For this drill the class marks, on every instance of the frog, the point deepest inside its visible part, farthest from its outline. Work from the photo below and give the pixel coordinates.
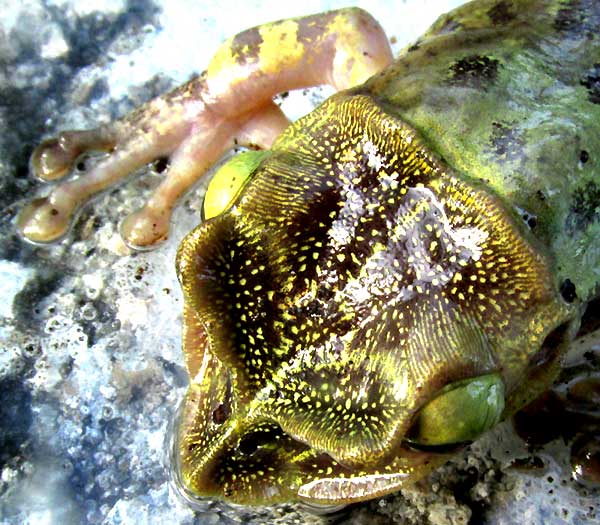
(381, 282)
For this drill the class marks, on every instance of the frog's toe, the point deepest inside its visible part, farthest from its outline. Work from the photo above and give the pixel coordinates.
(54, 158)
(46, 219)
(50, 160)
(145, 228)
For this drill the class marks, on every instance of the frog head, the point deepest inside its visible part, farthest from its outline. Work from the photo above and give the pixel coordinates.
(354, 310)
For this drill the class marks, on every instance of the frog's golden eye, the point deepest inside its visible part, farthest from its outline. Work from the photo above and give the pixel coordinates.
(461, 412)
(229, 181)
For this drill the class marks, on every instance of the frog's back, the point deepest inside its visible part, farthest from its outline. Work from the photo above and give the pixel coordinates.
(508, 93)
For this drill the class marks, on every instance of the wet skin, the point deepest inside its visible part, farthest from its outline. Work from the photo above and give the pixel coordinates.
(396, 271)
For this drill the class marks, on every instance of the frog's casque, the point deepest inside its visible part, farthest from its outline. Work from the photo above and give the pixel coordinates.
(367, 295)
(331, 325)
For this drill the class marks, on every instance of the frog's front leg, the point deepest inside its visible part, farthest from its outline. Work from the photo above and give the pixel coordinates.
(231, 103)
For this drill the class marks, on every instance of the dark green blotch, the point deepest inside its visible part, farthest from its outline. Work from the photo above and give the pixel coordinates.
(501, 13)
(585, 207)
(578, 19)
(591, 81)
(506, 141)
(475, 71)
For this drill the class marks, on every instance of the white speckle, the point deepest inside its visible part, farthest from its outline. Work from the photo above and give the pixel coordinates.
(55, 47)
(156, 439)
(108, 392)
(470, 239)
(93, 283)
(375, 159)
(358, 293)
(42, 517)
(343, 227)
(132, 311)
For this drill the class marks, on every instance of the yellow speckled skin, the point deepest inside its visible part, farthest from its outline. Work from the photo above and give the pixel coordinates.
(329, 326)
(433, 226)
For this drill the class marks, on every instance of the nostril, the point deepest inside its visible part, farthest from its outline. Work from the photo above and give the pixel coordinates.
(220, 414)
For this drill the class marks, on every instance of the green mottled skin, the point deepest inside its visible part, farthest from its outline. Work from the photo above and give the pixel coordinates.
(536, 102)
(324, 344)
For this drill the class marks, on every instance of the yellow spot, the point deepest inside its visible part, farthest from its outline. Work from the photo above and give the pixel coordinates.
(280, 49)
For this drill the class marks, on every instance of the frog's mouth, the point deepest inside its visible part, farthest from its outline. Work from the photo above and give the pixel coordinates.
(223, 449)
(173, 463)
(220, 450)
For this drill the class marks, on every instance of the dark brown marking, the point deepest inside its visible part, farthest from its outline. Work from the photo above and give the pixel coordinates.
(245, 46)
(221, 414)
(501, 13)
(475, 71)
(591, 81)
(506, 141)
(585, 206)
(590, 321)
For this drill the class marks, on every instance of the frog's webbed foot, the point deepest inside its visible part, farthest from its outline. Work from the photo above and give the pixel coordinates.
(48, 219)
(180, 126)
(231, 104)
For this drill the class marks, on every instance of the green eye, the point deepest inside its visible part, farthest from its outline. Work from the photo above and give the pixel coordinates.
(462, 412)
(228, 182)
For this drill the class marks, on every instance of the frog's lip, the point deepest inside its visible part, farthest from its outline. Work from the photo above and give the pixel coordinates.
(177, 487)
(203, 504)
(173, 466)
(322, 509)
